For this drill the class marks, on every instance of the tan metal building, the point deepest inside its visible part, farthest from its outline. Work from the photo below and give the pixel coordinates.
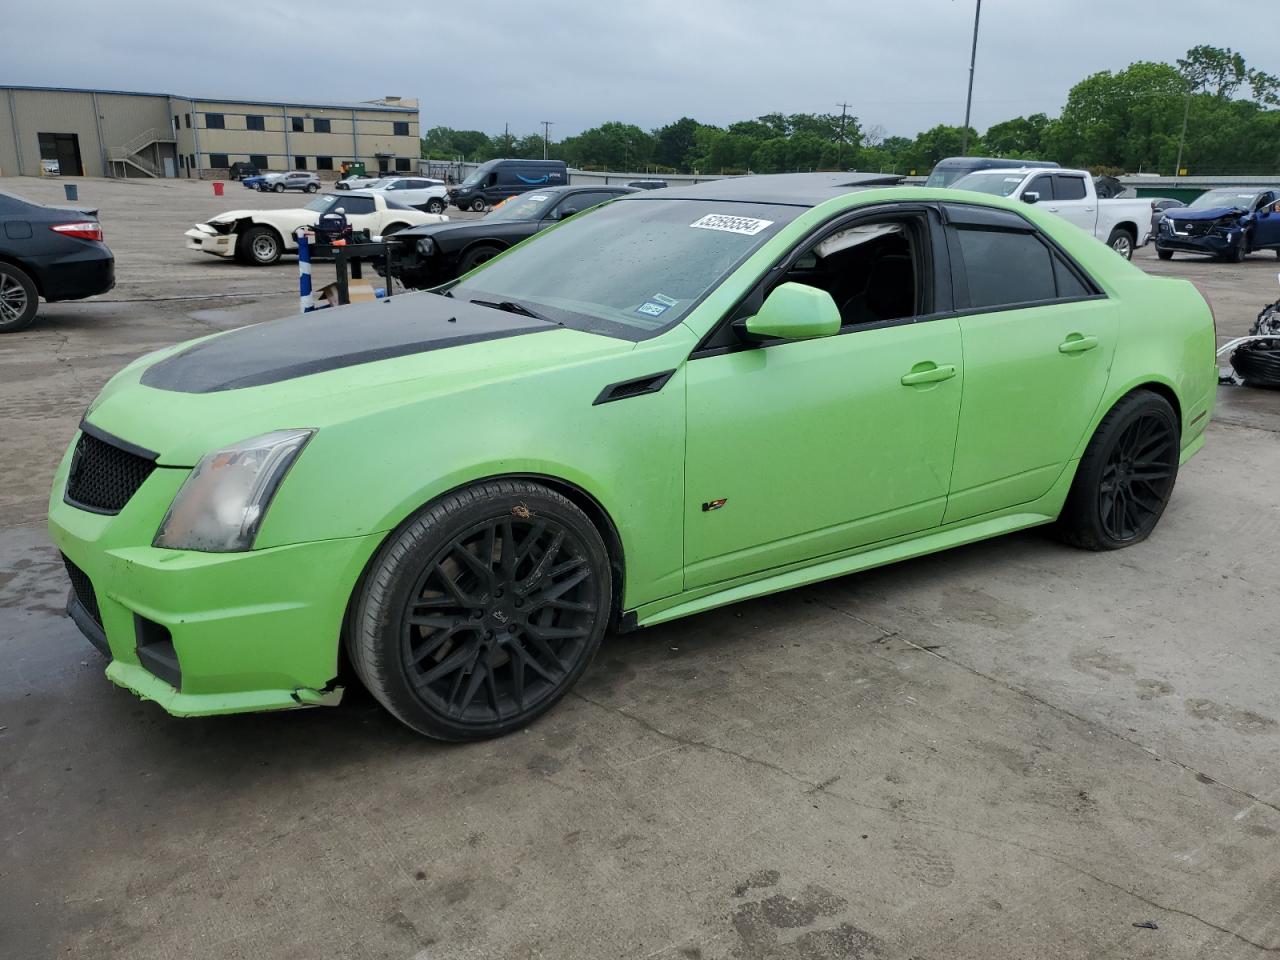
(114, 133)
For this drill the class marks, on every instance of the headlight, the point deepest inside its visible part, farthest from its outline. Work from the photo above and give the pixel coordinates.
(426, 246)
(221, 505)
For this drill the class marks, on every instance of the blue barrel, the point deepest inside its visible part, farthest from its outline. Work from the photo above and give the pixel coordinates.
(72, 192)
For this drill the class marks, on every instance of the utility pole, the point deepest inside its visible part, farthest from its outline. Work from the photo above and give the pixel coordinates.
(973, 59)
(1186, 112)
(844, 112)
(546, 137)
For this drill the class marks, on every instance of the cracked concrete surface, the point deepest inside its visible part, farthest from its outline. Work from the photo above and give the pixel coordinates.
(1010, 750)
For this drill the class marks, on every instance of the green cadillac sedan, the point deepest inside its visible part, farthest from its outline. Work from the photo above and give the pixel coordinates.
(681, 399)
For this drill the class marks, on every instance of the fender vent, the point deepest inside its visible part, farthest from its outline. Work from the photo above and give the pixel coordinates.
(638, 387)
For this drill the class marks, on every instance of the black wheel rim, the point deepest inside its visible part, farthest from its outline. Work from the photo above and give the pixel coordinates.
(1138, 477)
(499, 619)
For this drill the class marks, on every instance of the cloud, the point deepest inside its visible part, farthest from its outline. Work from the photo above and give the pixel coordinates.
(579, 63)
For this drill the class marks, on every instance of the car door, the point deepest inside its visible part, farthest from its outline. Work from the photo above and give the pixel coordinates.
(805, 448)
(1038, 340)
(1266, 224)
(1071, 201)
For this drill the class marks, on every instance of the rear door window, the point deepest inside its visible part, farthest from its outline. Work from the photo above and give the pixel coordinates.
(1066, 187)
(1004, 267)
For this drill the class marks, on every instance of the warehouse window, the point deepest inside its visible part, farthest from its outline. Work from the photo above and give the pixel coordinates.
(188, 121)
(299, 163)
(401, 128)
(324, 163)
(191, 159)
(252, 122)
(218, 161)
(176, 125)
(182, 160)
(320, 125)
(296, 123)
(402, 164)
(259, 160)
(215, 121)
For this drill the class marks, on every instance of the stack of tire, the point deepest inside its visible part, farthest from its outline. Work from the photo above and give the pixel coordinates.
(1257, 362)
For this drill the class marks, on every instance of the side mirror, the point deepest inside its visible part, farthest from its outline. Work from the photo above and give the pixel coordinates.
(1031, 197)
(566, 212)
(794, 311)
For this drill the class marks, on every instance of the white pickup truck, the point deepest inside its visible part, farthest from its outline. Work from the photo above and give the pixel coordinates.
(1123, 225)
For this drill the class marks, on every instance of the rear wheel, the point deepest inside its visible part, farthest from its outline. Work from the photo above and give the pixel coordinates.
(18, 299)
(482, 611)
(1121, 241)
(476, 256)
(393, 228)
(278, 188)
(1126, 475)
(1164, 254)
(260, 246)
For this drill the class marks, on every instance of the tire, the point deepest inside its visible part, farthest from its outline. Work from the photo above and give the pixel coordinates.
(19, 300)
(1164, 254)
(476, 256)
(477, 205)
(461, 640)
(1122, 242)
(1125, 477)
(278, 188)
(436, 205)
(312, 188)
(1236, 254)
(260, 246)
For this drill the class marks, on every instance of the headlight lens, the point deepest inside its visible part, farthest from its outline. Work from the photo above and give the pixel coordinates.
(426, 246)
(223, 502)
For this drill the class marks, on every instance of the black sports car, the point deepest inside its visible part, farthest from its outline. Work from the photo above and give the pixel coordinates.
(52, 252)
(426, 256)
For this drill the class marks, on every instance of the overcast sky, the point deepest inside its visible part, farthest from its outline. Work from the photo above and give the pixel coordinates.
(901, 64)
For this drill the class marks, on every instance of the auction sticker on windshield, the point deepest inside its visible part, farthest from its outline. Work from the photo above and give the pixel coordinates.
(748, 226)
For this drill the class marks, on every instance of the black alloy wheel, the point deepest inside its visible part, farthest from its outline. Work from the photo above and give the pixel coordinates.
(1126, 476)
(483, 611)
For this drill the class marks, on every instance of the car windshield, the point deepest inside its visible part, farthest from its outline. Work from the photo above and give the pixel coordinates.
(527, 206)
(632, 268)
(324, 203)
(944, 176)
(472, 180)
(1222, 198)
(996, 184)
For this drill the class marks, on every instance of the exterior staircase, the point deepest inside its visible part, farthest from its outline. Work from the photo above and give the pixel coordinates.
(129, 154)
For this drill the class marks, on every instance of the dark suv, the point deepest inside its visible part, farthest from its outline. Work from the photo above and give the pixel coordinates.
(240, 170)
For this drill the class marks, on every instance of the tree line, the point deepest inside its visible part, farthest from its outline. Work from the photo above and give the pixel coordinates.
(1128, 121)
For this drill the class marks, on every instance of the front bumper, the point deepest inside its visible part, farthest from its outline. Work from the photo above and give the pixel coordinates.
(206, 633)
(1210, 244)
(204, 238)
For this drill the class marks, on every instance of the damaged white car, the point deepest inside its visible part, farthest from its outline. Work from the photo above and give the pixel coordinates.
(262, 237)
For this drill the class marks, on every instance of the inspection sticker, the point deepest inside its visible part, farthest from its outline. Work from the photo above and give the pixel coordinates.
(651, 309)
(748, 226)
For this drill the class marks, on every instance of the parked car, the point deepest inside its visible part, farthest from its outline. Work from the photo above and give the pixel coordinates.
(261, 237)
(54, 253)
(240, 169)
(421, 193)
(358, 181)
(647, 184)
(293, 180)
(257, 181)
(1159, 206)
(947, 171)
(497, 180)
(1123, 225)
(1229, 223)
(679, 401)
(423, 257)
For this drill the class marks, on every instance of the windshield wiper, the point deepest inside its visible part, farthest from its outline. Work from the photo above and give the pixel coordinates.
(510, 306)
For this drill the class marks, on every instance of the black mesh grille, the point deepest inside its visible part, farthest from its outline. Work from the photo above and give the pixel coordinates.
(104, 476)
(83, 588)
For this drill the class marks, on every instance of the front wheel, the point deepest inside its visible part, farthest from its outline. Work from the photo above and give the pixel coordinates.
(476, 256)
(482, 611)
(1121, 241)
(1164, 254)
(260, 246)
(312, 188)
(18, 299)
(1126, 475)
(436, 205)
(278, 188)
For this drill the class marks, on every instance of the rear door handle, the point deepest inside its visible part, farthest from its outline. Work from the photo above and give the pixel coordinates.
(931, 373)
(1077, 343)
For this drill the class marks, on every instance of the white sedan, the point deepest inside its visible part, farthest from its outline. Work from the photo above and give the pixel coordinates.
(261, 237)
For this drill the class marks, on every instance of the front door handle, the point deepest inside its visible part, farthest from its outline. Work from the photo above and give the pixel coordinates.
(930, 373)
(1077, 343)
